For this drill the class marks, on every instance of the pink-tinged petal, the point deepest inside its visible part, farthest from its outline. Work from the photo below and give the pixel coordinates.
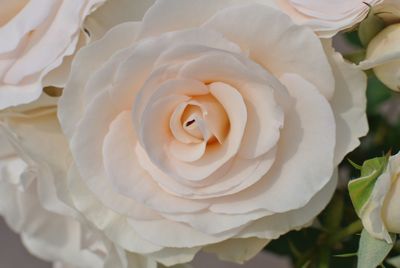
(187, 152)
(232, 177)
(304, 161)
(259, 90)
(176, 127)
(130, 179)
(273, 49)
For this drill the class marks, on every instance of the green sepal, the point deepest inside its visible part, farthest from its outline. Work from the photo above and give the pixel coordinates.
(361, 189)
(371, 251)
(370, 27)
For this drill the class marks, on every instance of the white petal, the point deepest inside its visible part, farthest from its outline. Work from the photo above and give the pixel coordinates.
(348, 104)
(304, 162)
(191, 13)
(103, 19)
(113, 225)
(129, 178)
(274, 49)
(271, 227)
(86, 62)
(237, 250)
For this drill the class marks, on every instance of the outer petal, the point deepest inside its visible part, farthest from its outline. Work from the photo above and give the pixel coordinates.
(104, 18)
(271, 227)
(325, 17)
(274, 49)
(348, 104)
(237, 250)
(89, 59)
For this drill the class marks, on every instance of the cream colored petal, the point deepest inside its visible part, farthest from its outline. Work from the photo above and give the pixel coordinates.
(271, 227)
(258, 89)
(104, 18)
(323, 17)
(191, 13)
(89, 158)
(176, 127)
(213, 223)
(348, 104)
(173, 256)
(187, 152)
(89, 59)
(130, 179)
(304, 161)
(215, 157)
(27, 19)
(234, 176)
(33, 60)
(112, 224)
(274, 49)
(237, 250)
(176, 236)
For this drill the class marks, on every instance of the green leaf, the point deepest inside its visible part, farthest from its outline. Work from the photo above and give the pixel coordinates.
(370, 27)
(356, 166)
(372, 251)
(346, 255)
(360, 189)
(395, 261)
(294, 249)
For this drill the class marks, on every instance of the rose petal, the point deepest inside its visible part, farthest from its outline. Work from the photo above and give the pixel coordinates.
(348, 104)
(274, 49)
(305, 153)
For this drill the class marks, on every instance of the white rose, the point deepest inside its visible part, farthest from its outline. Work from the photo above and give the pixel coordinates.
(327, 17)
(35, 37)
(383, 53)
(391, 205)
(209, 124)
(380, 210)
(34, 198)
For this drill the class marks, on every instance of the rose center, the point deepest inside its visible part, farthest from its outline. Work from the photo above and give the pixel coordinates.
(9, 9)
(200, 119)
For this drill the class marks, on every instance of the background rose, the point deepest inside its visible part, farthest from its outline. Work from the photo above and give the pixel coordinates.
(200, 127)
(375, 196)
(35, 37)
(327, 17)
(383, 53)
(34, 200)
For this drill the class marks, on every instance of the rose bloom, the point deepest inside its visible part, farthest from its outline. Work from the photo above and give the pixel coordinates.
(208, 125)
(327, 17)
(381, 214)
(383, 53)
(36, 36)
(34, 198)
